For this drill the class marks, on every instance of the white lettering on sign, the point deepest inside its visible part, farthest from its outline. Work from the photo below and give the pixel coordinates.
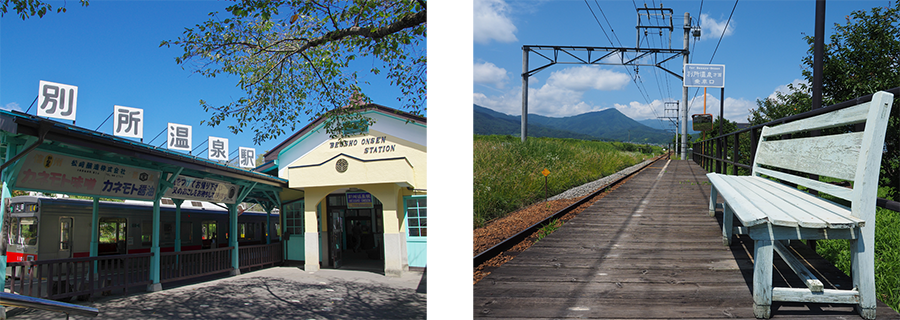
(57, 100)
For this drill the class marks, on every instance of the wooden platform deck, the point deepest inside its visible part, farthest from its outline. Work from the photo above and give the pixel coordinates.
(648, 250)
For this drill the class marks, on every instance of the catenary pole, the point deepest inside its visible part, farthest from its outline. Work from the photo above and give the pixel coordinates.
(684, 90)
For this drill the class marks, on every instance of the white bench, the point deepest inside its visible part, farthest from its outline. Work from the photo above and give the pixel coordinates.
(772, 213)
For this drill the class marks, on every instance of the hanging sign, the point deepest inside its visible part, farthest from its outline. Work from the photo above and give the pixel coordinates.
(129, 122)
(189, 188)
(704, 75)
(247, 157)
(51, 172)
(57, 100)
(179, 137)
(218, 149)
(359, 200)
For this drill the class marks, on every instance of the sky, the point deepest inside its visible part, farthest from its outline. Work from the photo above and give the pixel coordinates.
(762, 50)
(111, 51)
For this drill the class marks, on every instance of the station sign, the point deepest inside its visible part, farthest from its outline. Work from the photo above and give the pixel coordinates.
(247, 157)
(57, 100)
(704, 75)
(218, 149)
(359, 200)
(52, 172)
(190, 188)
(129, 122)
(179, 137)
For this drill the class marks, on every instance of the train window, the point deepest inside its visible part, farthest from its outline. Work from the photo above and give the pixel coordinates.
(186, 234)
(416, 216)
(112, 230)
(197, 204)
(146, 233)
(209, 230)
(167, 201)
(168, 233)
(65, 233)
(23, 231)
(278, 229)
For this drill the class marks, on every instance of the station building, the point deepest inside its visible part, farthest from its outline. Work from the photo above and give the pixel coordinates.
(355, 199)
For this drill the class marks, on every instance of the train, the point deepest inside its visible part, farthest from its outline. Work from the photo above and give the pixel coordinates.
(45, 228)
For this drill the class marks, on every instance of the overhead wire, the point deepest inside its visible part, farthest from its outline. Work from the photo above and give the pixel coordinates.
(696, 91)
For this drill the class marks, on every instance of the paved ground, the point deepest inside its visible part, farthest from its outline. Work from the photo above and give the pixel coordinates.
(273, 293)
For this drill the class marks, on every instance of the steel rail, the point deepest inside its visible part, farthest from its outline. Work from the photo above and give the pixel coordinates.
(510, 242)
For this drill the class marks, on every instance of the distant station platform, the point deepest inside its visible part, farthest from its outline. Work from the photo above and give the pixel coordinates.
(648, 250)
(273, 293)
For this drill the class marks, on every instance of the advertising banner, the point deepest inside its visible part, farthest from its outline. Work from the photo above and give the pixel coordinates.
(51, 172)
(189, 188)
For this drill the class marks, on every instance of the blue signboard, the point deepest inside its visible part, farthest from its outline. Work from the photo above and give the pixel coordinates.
(704, 75)
(359, 200)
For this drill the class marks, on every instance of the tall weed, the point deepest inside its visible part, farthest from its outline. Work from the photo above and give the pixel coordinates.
(508, 175)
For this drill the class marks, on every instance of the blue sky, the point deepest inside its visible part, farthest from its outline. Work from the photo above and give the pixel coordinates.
(761, 49)
(110, 50)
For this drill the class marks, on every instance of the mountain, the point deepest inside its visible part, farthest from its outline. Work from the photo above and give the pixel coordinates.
(665, 125)
(608, 124)
(487, 121)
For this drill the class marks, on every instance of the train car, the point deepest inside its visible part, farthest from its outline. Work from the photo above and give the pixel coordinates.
(44, 228)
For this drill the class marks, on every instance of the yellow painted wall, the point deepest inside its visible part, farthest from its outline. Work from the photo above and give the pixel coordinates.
(398, 161)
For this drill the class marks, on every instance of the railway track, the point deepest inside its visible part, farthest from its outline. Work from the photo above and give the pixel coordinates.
(521, 236)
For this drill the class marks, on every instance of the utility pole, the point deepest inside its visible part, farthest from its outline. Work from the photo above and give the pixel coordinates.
(671, 114)
(652, 57)
(684, 90)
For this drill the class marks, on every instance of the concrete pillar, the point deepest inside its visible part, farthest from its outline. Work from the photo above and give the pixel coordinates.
(154, 248)
(233, 239)
(312, 197)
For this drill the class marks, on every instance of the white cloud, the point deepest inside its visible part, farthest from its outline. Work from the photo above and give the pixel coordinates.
(712, 29)
(584, 78)
(488, 73)
(736, 110)
(492, 23)
(784, 88)
(638, 111)
(12, 106)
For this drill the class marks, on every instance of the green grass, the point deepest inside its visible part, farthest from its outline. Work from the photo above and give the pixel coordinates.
(548, 228)
(507, 172)
(887, 255)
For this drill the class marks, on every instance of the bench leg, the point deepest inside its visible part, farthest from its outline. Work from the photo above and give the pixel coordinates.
(712, 201)
(762, 279)
(862, 257)
(727, 224)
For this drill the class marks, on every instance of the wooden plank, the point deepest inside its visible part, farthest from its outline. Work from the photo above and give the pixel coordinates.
(851, 115)
(833, 156)
(770, 232)
(804, 295)
(837, 191)
(744, 209)
(811, 281)
(831, 211)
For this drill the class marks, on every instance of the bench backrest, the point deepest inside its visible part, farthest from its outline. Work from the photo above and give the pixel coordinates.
(853, 156)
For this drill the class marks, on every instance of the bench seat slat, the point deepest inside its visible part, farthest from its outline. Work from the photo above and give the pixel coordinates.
(834, 156)
(730, 195)
(837, 216)
(757, 200)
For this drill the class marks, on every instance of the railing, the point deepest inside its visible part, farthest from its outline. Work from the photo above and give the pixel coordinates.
(712, 154)
(14, 300)
(174, 266)
(65, 278)
(260, 255)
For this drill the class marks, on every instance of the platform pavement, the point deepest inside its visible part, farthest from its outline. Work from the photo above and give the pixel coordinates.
(272, 293)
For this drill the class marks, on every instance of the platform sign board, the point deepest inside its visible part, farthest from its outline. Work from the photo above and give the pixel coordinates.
(247, 157)
(704, 75)
(218, 149)
(359, 200)
(179, 137)
(190, 188)
(57, 100)
(52, 172)
(129, 122)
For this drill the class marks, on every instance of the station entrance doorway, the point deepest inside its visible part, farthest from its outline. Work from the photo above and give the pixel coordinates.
(355, 235)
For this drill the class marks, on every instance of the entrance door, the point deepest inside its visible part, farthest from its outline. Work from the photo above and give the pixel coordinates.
(335, 237)
(65, 238)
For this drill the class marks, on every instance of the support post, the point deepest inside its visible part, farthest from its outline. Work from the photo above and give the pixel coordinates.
(154, 248)
(684, 90)
(178, 203)
(95, 230)
(233, 239)
(524, 93)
